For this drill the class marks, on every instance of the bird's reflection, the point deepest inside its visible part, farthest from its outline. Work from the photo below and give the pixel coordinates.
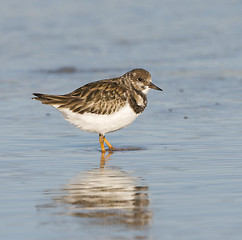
(107, 195)
(105, 157)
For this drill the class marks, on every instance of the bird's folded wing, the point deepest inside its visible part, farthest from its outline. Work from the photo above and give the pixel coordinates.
(103, 97)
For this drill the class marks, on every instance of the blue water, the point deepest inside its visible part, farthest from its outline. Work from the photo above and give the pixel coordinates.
(181, 180)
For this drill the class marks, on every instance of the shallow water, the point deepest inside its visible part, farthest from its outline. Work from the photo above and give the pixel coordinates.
(181, 178)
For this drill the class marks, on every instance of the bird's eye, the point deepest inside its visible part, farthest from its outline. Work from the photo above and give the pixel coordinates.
(140, 79)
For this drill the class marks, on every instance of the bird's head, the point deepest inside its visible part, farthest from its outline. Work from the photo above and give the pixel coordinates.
(141, 80)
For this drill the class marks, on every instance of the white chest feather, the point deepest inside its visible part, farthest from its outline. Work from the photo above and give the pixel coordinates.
(100, 123)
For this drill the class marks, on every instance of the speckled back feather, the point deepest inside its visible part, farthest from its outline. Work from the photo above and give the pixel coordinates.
(105, 96)
(101, 97)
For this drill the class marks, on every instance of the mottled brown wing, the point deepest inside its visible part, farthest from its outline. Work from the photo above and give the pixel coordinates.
(101, 97)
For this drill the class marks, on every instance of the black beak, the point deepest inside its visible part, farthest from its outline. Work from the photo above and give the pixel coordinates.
(153, 86)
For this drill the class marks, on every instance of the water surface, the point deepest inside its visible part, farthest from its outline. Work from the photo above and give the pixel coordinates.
(182, 180)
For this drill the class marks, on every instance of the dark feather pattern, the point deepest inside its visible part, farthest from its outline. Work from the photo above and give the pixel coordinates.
(102, 97)
(105, 96)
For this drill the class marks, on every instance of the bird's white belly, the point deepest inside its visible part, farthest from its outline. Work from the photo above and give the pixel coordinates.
(100, 123)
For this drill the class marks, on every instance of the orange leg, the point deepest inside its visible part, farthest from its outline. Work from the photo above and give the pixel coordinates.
(101, 138)
(108, 143)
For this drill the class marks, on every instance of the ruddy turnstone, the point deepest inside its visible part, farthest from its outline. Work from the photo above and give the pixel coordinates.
(104, 106)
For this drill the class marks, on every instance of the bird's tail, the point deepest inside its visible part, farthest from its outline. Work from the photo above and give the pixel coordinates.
(50, 99)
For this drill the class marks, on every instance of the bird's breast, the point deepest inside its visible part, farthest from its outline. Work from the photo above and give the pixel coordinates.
(138, 102)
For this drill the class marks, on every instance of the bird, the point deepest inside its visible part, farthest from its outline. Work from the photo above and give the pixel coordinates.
(106, 105)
